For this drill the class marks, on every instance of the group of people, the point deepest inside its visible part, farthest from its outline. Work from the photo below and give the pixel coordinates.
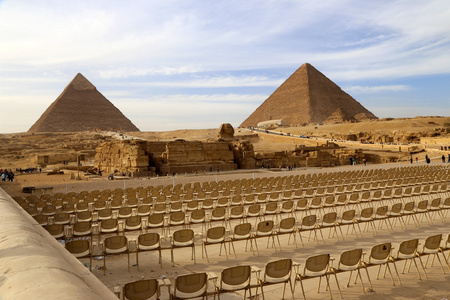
(7, 175)
(443, 158)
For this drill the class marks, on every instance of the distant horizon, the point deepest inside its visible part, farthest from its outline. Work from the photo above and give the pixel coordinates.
(193, 64)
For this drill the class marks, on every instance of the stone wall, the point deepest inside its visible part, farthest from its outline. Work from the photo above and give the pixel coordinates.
(143, 158)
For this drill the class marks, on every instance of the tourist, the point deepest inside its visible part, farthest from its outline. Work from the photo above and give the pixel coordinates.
(365, 161)
(417, 160)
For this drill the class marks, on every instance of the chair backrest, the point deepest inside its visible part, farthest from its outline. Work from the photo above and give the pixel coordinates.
(156, 220)
(409, 207)
(422, 205)
(218, 213)
(407, 249)
(435, 203)
(254, 209)
(396, 208)
(105, 213)
(308, 221)
(78, 248)
(242, 230)
(178, 216)
(198, 215)
(277, 271)
(183, 237)
(108, 224)
(125, 212)
(380, 253)
(235, 278)
(329, 218)
(367, 213)
(141, 289)
(236, 211)
(302, 204)
(115, 244)
(56, 230)
(61, 218)
(317, 265)
(143, 210)
(350, 259)
(82, 228)
(287, 205)
(148, 241)
(432, 243)
(264, 226)
(287, 224)
(381, 211)
(191, 286)
(215, 234)
(133, 221)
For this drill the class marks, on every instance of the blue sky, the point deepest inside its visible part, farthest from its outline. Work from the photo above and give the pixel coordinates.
(196, 64)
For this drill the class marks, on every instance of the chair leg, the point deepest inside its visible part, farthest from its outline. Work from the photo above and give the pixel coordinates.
(171, 257)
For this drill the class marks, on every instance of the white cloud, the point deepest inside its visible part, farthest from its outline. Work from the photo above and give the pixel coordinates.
(135, 48)
(377, 89)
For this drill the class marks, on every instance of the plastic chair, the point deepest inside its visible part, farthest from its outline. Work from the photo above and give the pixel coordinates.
(234, 279)
(277, 272)
(254, 210)
(432, 247)
(351, 261)
(408, 251)
(115, 245)
(141, 289)
(124, 212)
(182, 238)
(148, 242)
(215, 235)
(329, 220)
(287, 226)
(381, 255)
(133, 223)
(56, 230)
(176, 219)
(266, 229)
(315, 266)
(80, 249)
(242, 232)
(190, 286)
(309, 223)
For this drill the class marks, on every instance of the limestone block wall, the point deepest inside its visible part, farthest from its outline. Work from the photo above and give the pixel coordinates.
(33, 265)
(138, 157)
(122, 156)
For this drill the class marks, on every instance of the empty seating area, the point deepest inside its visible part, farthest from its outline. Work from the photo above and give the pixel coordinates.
(269, 216)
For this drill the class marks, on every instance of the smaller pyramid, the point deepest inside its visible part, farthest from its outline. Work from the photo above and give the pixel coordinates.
(80, 107)
(308, 97)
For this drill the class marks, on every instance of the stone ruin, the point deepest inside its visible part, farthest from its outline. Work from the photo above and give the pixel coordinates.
(146, 158)
(226, 131)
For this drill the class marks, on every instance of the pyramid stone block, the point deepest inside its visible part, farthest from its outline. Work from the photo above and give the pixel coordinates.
(308, 96)
(81, 107)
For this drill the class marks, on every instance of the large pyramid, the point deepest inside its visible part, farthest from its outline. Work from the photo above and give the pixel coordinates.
(80, 107)
(308, 96)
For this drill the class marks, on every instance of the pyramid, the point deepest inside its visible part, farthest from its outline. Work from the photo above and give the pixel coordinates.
(80, 107)
(308, 97)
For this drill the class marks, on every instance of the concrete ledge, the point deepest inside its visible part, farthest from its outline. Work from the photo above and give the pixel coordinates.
(33, 265)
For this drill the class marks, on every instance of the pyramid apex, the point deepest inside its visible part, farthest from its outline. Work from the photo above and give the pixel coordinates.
(80, 83)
